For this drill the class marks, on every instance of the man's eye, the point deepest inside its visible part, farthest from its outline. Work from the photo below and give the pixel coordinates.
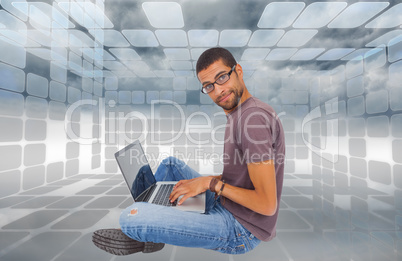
(222, 77)
(208, 87)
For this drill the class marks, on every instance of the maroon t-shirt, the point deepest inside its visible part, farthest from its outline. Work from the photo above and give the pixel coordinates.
(253, 133)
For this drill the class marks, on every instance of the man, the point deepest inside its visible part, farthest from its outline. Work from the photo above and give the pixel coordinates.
(242, 203)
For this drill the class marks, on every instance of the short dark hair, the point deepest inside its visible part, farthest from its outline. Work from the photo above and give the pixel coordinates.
(212, 55)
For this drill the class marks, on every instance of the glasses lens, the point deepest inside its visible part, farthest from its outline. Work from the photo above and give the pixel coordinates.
(224, 78)
(207, 89)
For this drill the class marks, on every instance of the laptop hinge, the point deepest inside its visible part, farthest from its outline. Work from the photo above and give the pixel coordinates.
(146, 194)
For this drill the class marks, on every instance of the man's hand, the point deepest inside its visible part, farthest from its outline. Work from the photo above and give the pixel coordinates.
(189, 188)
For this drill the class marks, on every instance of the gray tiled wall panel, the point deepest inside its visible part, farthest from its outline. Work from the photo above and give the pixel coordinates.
(11, 129)
(10, 182)
(13, 79)
(11, 156)
(379, 172)
(11, 104)
(35, 130)
(33, 177)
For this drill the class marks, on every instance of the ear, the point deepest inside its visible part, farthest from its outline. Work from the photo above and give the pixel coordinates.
(239, 71)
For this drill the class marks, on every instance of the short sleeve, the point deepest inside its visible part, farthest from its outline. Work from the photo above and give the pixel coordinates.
(255, 134)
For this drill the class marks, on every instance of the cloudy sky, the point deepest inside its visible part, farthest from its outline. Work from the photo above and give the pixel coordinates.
(343, 25)
(148, 44)
(270, 39)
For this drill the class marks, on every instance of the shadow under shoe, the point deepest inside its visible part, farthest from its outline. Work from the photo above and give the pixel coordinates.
(115, 242)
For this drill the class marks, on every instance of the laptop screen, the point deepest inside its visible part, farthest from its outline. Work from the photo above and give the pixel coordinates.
(135, 168)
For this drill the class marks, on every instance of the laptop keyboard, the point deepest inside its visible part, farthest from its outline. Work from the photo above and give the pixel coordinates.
(146, 195)
(162, 198)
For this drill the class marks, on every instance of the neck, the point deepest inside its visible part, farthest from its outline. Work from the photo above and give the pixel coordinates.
(243, 98)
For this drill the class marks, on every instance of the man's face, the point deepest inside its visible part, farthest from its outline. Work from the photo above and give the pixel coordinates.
(228, 94)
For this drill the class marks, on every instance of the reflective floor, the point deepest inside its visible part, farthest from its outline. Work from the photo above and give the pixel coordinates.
(55, 222)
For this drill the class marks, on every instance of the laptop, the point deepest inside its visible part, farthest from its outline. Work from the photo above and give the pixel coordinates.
(141, 181)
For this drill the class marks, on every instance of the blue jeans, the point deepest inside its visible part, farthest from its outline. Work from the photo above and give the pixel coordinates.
(217, 229)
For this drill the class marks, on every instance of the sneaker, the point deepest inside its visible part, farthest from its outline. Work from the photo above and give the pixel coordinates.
(115, 242)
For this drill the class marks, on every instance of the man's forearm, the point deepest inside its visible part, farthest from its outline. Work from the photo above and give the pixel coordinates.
(252, 199)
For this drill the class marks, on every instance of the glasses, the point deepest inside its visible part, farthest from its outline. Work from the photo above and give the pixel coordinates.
(221, 80)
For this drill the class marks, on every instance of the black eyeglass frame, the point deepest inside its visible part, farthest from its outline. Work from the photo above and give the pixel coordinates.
(216, 82)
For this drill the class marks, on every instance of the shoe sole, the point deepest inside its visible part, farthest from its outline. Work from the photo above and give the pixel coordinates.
(115, 242)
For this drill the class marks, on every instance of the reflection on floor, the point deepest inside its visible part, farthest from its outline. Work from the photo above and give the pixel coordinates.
(55, 222)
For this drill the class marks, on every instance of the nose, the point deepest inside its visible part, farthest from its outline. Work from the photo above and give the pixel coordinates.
(218, 89)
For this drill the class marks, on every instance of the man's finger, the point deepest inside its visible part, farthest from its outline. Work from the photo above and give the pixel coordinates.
(175, 194)
(172, 196)
(186, 196)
